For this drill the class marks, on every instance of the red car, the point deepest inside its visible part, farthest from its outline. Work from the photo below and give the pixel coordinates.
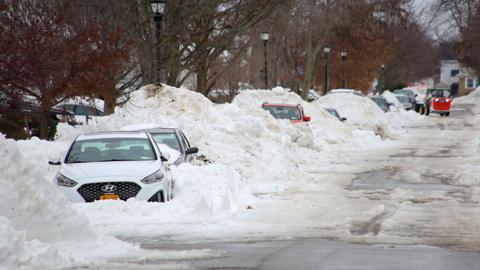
(438, 101)
(294, 113)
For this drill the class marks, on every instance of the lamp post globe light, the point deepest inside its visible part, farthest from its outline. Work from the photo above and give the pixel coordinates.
(265, 36)
(326, 50)
(343, 53)
(158, 8)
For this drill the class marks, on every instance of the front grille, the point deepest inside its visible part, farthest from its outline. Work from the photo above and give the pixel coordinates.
(125, 190)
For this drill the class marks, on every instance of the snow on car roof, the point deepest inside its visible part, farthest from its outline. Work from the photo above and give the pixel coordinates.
(112, 134)
(159, 130)
(137, 127)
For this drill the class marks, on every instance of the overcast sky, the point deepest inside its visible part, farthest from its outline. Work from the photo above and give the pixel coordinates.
(438, 25)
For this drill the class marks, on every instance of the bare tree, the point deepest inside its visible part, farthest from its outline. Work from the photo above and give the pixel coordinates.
(198, 34)
(46, 54)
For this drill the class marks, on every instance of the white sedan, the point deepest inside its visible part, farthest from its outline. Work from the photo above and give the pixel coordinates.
(115, 165)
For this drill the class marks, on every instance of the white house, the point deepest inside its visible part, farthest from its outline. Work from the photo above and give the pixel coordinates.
(451, 72)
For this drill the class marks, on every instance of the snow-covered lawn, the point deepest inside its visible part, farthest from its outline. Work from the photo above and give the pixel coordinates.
(267, 178)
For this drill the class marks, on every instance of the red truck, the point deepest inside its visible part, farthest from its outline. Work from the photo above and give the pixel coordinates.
(294, 113)
(437, 101)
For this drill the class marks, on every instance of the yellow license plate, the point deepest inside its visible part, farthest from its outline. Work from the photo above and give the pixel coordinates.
(109, 197)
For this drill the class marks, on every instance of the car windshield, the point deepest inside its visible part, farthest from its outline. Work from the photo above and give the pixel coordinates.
(382, 103)
(110, 149)
(408, 93)
(169, 139)
(402, 99)
(333, 112)
(284, 112)
(87, 110)
(440, 93)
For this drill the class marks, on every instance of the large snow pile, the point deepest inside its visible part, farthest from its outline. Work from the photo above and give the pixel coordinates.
(326, 129)
(240, 135)
(390, 97)
(359, 111)
(36, 222)
(399, 117)
(472, 98)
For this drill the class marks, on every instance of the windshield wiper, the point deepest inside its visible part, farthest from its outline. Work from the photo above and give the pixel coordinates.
(107, 160)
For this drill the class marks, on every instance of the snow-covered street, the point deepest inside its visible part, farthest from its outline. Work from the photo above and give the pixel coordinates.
(400, 181)
(230, 135)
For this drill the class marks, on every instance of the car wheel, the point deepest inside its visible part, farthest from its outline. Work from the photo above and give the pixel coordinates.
(447, 114)
(158, 197)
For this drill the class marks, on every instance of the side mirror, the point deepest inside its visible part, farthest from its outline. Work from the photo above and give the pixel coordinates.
(343, 119)
(307, 118)
(192, 150)
(165, 156)
(54, 161)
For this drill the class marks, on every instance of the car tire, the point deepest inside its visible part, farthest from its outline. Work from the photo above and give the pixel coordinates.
(447, 114)
(162, 197)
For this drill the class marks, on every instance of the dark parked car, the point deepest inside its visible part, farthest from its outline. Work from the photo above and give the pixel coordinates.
(381, 102)
(334, 112)
(20, 119)
(175, 139)
(83, 113)
(80, 109)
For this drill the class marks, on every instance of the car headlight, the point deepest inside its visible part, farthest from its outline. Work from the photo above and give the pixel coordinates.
(448, 100)
(436, 100)
(154, 177)
(65, 181)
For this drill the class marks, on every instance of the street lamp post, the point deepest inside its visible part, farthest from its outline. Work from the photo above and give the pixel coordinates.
(158, 8)
(265, 36)
(343, 53)
(326, 50)
(383, 80)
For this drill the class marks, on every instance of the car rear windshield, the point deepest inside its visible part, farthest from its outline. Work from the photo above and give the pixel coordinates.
(440, 93)
(169, 139)
(110, 149)
(284, 112)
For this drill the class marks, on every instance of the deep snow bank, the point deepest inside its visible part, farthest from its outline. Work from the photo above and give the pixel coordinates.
(240, 135)
(325, 129)
(38, 226)
(359, 111)
(399, 116)
(472, 98)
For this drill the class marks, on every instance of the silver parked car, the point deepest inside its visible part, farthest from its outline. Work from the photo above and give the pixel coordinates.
(176, 140)
(405, 101)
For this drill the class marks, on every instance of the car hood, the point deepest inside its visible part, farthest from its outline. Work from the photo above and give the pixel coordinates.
(130, 169)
